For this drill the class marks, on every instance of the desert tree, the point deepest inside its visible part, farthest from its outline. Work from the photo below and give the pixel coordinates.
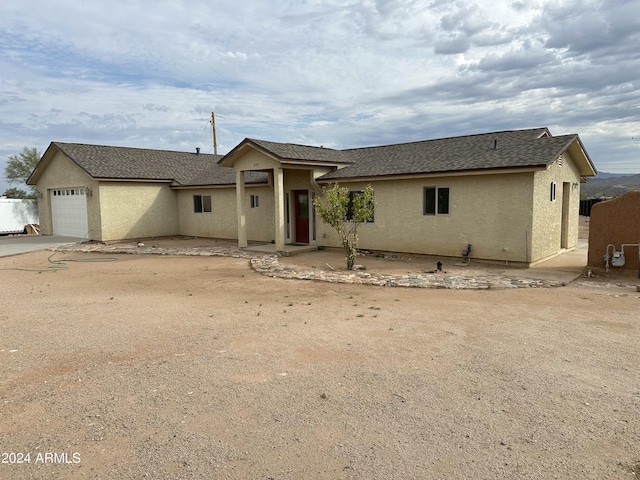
(15, 193)
(345, 211)
(20, 166)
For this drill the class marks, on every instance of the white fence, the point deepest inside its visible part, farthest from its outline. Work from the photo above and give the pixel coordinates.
(16, 214)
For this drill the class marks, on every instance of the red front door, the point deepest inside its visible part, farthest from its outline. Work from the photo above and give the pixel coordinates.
(301, 201)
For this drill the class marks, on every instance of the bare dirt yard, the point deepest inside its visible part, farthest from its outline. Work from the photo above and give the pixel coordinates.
(168, 367)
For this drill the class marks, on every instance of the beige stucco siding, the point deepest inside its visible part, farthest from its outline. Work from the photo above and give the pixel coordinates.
(135, 210)
(297, 180)
(254, 160)
(222, 221)
(548, 214)
(491, 212)
(64, 173)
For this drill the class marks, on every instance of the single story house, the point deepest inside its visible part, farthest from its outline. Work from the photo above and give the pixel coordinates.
(512, 195)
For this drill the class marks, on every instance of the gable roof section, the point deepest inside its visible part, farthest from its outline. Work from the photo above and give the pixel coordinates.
(512, 149)
(533, 148)
(125, 163)
(289, 153)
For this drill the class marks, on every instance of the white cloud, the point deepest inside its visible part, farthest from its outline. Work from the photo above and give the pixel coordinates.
(338, 73)
(234, 55)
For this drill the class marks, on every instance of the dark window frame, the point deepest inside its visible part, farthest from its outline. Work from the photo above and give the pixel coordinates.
(352, 193)
(202, 204)
(436, 201)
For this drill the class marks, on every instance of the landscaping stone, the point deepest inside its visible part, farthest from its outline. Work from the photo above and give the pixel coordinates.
(267, 264)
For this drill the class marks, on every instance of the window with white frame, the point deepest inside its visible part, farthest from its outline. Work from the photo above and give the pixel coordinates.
(202, 203)
(436, 201)
(552, 192)
(255, 201)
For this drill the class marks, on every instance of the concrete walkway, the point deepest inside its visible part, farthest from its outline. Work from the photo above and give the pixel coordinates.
(565, 267)
(17, 244)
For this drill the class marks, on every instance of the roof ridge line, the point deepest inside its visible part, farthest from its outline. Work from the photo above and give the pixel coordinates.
(294, 144)
(145, 149)
(447, 138)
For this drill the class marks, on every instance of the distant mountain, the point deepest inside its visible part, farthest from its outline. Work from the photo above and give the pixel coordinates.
(609, 175)
(610, 185)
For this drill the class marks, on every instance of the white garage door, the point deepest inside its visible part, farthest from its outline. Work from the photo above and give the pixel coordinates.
(69, 212)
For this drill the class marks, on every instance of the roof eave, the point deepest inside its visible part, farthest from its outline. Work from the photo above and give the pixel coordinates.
(309, 163)
(42, 164)
(446, 173)
(218, 185)
(581, 158)
(228, 160)
(134, 180)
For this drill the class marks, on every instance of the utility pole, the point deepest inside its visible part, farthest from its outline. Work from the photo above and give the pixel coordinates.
(215, 141)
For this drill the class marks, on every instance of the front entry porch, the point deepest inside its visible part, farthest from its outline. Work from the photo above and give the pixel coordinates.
(292, 171)
(294, 217)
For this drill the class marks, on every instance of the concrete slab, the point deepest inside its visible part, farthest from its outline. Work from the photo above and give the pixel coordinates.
(17, 244)
(565, 267)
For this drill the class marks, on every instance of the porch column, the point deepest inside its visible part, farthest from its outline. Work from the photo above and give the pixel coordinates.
(242, 219)
(278, 193)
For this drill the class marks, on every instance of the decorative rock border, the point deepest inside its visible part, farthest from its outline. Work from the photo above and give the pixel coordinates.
(268, 265)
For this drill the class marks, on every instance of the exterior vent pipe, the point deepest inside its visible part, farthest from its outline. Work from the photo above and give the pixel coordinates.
(197, 150)
(495, 143)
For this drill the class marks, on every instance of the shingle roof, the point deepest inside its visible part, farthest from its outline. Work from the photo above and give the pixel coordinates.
(305, 153)
(483, 152)
(510, 149)
(498, 150)
(184, 168)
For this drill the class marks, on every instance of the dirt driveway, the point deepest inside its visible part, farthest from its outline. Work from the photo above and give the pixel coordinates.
(198, 367)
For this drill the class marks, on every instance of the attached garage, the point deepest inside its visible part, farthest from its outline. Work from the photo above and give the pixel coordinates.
(69, 212)
(102, 193)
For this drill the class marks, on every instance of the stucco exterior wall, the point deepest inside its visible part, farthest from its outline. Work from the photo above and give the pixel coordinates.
(297, 180)
(548, 215)
(64, 173)
(616, 222)
(136, 210)
(491, 212)
(222, 221)
(254, 160)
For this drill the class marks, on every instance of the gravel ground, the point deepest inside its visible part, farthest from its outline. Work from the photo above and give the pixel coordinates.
(190, 368)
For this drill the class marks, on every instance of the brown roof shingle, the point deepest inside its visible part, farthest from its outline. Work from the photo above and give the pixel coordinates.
(184, 168)
(482, 152)
(303, 153)
(508, 149)
(497, 150)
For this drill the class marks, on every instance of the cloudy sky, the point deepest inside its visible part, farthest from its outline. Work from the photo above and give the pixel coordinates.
(338, 73)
